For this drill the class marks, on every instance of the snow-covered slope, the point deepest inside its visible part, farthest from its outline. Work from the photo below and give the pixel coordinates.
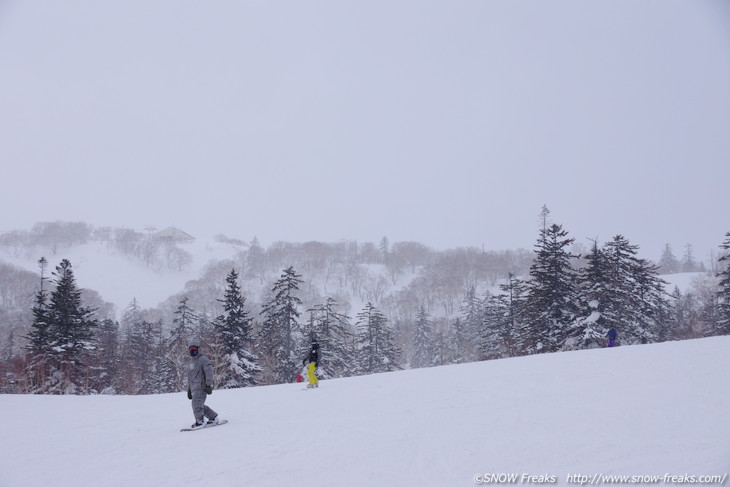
(684, 281)
(636, 411)
(119, 279)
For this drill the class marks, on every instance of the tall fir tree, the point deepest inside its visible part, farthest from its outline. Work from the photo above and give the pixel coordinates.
(589, 329)
(504, 332)
(376, 351)
(618, 308)
(467, 329)
(144, 357)
(233, 340)
(333, 331)
(440, 347)
(132, 314)
(723, 321)
(651, 302)
(280, 333)
(106, 362)
(71, 326)
(552, 290)
(423, 338)
(457, 337)
(515, 304)
(255, 261)
(679, 312)
(668, 263)
(634, 302)
(186, 325)
(39, 338)
(493, 328)
(688, 260)
(166, 367)
(140, 340)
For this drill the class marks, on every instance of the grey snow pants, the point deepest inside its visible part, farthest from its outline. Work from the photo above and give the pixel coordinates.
(199, 407)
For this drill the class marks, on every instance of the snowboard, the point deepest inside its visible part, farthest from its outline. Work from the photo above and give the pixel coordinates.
(222, 421)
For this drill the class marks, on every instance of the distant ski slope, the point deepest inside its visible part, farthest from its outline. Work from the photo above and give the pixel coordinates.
(119, 279)
(642, 410)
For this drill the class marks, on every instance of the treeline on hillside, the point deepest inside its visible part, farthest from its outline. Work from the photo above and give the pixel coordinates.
(157, 249)
(564, 302)
(670, 264)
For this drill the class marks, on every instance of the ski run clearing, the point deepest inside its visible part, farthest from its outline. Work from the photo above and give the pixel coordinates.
(652, 414)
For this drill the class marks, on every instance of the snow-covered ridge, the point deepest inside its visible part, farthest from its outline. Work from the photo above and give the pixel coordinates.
(641, 410)
(120, 278)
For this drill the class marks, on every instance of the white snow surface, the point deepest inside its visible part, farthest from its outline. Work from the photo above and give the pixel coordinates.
(683, 280)
(641, 410)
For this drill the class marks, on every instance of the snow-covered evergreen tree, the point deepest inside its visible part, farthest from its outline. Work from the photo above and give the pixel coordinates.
(106, 362)
(688, 260)
(495, 329)
(143, 353)
(593, 277)
(376, 351)
(185, 326)
(552, 290)
(494, 325)
(255, 261)
(677, 320)
(72, 328)
(132, 314)
(515, 293)
(651, 303)
(384, 249)
(467, 329)
(617, 306)
(693, 313)
(668, 263)
(280, 333)
(39, 338)
(635, 301)
(423, 353)
(590, 327)
(333, 332)
(723, 322)
(140, 357)
(164, 375)
(440, 347)
(233, 340)
(504, 332)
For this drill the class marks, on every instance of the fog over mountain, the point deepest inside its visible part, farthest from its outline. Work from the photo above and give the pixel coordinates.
(446, 123)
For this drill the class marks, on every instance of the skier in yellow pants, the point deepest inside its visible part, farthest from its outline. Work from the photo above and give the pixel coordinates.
(312, 358)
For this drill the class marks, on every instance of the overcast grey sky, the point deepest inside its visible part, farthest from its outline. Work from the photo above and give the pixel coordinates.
(446, 122)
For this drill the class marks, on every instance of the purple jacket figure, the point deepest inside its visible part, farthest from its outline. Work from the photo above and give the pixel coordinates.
(612, 336)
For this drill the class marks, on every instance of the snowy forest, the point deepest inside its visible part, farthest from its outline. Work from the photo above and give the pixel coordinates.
(372, 307)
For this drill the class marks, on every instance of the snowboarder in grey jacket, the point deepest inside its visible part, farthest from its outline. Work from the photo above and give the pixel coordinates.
(200, 385)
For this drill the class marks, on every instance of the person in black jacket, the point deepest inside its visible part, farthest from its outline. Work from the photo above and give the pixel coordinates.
(312, 359)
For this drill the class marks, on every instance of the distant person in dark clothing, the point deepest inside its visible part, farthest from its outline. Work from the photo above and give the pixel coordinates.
(312, 359)
(612, 335)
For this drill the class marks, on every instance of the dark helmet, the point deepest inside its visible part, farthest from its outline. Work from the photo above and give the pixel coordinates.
(193, 347)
